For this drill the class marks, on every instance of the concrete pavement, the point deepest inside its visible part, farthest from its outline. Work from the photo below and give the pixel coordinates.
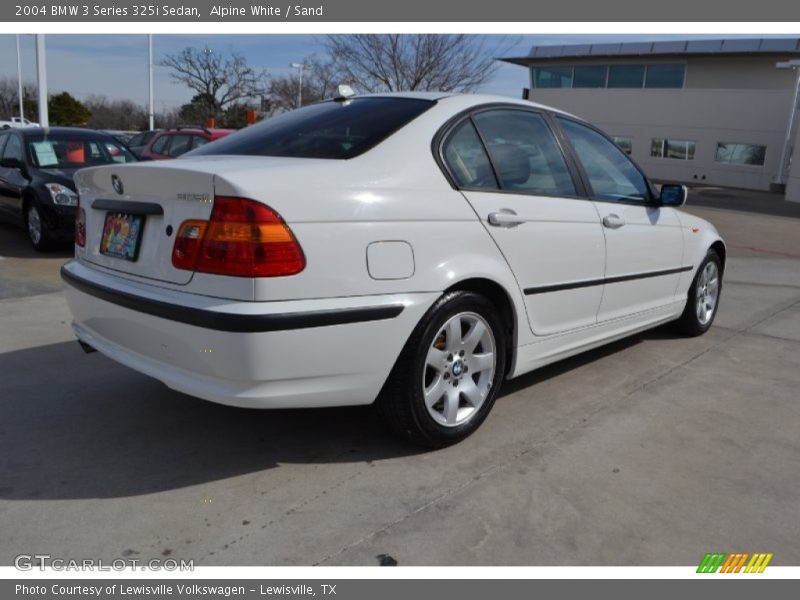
(650, 451)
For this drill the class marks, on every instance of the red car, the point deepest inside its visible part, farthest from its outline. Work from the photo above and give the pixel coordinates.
(171, 143)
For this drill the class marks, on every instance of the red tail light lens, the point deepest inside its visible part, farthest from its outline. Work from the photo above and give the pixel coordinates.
(244, 238)
(80, 227)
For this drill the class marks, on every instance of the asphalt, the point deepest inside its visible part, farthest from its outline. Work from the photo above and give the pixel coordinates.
(651, 451)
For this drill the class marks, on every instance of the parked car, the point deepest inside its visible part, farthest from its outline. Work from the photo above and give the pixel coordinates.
(37, 167)
(138, 142)
(17, 123)
(415, 248)
(122, 136)
(172, 143)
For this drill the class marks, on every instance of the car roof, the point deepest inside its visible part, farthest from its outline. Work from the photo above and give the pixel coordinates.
(73, 131)
(465, 100)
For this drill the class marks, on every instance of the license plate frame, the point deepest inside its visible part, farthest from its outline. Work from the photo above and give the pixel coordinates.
(122, 235)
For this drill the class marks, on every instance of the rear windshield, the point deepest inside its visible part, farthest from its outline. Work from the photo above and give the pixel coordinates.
(62, 151)
(334, 129)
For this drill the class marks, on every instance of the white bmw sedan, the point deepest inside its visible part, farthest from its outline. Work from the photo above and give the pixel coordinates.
(412, 250)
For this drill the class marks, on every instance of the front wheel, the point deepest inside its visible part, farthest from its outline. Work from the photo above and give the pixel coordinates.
(35, 226)
(447, 376)
(703, 299)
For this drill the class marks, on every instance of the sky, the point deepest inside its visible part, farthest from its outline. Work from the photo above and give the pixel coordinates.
(115, 66)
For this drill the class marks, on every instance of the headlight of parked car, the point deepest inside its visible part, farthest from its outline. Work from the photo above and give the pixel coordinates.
(62, 195)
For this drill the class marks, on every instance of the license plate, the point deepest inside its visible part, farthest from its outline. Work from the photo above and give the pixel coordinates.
(122, 234)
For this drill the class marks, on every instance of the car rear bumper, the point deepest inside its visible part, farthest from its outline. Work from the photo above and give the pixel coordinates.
(286, 354)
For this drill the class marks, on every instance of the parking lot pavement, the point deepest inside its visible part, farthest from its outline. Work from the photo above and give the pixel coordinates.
(650, 451)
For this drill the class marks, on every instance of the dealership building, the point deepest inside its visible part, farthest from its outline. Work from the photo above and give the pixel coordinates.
(711, 112)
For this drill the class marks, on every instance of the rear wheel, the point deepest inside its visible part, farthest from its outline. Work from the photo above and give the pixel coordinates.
(703, 298)
(447, 377)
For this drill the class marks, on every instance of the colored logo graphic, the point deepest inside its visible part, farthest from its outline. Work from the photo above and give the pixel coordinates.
(734, 563)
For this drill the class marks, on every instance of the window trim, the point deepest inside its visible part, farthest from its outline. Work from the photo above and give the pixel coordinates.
(652, 196)
(444, 132)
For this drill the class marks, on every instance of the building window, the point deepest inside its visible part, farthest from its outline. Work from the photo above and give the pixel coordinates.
(552, 77)
(741, 154)
(625, 143)
(626, 76)
(665, 76)
(680, 149)
(590, 76)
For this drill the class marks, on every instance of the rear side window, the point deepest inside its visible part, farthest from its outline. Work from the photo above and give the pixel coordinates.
(180, 145)
(199, 141)
(467, 160)
(525, 153)
(334, 129)
(160, 145)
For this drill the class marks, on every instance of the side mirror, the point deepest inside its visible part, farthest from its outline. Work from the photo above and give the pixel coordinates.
(673, 194)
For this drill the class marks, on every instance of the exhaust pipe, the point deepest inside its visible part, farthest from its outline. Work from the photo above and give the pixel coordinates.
(86, 347)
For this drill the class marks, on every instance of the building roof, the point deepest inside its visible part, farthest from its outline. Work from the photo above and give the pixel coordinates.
(661, 48)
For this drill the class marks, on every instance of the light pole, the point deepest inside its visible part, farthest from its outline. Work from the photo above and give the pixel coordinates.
(150, 111)
(300, 67)
(41, 80)
(780, 178)
(19, 85)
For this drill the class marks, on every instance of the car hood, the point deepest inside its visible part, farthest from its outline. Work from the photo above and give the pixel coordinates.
(63, 176)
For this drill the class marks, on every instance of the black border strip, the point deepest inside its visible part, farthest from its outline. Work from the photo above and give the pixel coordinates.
(592, 282)
(126, 206)
(232, 322)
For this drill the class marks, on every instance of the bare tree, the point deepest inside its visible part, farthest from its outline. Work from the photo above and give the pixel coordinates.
(115, 114)
(220, 81)
(320, 80)
(9, 98)
(399, 62)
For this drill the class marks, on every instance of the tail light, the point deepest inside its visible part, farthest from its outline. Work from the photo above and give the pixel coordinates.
(243, 238)
(80, 226)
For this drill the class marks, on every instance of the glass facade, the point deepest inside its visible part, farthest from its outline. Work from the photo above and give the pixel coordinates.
(625, 143)
(659, 76)
(741, 154)
(670, 148)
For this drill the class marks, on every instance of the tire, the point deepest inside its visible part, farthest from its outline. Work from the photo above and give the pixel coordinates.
(434, 397)
(38, 233)
(702, 301)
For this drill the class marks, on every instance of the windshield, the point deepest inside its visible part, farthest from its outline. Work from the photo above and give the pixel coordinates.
(67, 152)
(334, 129)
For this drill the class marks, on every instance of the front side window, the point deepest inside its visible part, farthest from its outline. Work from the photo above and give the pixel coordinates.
(13, 149)
(611, 173)
(525, 153)
(672, 148)
(467, 160)
(333, 130)
(552, 77)
(741, 154)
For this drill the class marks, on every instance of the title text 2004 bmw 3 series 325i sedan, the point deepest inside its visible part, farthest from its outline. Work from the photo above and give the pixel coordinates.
(416, 249)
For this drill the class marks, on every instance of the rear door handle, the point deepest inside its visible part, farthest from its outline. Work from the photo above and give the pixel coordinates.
(505, 217)
(613, 221)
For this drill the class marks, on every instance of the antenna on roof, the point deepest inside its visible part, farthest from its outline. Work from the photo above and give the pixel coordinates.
(343, 92)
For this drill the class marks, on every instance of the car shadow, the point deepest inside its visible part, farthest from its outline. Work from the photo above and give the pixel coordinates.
(81, 426)
(14, 243)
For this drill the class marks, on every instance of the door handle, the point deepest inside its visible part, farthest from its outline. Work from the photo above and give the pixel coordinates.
(613, 221)
(505, 217)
